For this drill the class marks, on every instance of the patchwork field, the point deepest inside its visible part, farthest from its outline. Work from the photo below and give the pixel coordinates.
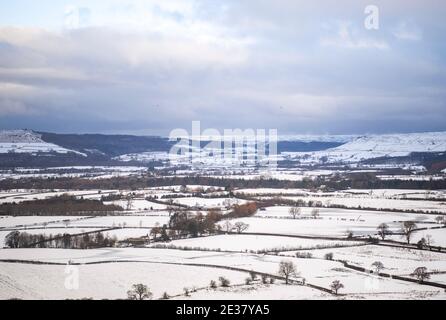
(272, 235)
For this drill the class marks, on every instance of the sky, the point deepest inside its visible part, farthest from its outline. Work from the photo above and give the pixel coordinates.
(150, 66)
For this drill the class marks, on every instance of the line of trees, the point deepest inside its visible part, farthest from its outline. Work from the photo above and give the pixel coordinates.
(16, 239)
(356, 181)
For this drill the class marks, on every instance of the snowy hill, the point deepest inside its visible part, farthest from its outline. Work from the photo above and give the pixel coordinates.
(375, 146)
(25, 141)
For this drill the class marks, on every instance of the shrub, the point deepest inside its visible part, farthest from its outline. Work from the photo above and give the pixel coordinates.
(224, 282)
(165, 296)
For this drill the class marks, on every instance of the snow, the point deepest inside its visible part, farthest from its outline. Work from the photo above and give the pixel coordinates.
(396, 261)
(31, 221)
(242, 243)
(138, 204)
(260, 292)
(39, 195)
(122, 221)
(47, 232)
(121, 234)
(401, 194)
(266, 191)
(315, 271)
(332, 222)
(410, 177)
(114, 270)
(438, 236)
(377, 203)
(111, 281)
(206, 202)
(23, 141)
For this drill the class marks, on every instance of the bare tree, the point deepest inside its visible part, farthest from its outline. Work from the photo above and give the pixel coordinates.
(429, 241)
(294, 212)
(336, 286)
(315, 213)
(241, 226)
(139, 292)
(439, 219)
(165, 296)
(408, 228)
(287, 269)
(383, 230)
(227, 225)
(378, 265)
(421, 274)
(170, 209)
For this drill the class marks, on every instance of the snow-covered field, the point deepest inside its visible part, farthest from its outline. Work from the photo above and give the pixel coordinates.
(207, 203)
(32, 221)
(121, 221)
(319, 272)
(437, 237)
(48, 232)
(377, 203)
(36, 195)
(396, 261)
(23, 141)
(374, 146)
(331, 222)
(242, 243)
(138, 205)
(104, 281)
(260, 292)
(110, 272)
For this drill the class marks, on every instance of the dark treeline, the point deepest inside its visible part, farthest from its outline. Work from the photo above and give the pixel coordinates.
(61, 205)
(280, 201)
(16, 239)
(53, 159)
(336, 182)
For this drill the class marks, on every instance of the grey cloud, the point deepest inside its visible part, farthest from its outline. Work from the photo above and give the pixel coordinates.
(259, 64)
